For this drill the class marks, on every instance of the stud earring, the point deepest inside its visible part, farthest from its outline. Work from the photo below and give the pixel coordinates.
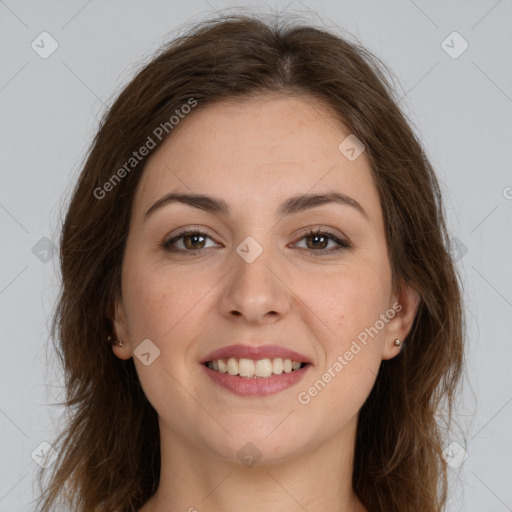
(398, 343)
(118, 343)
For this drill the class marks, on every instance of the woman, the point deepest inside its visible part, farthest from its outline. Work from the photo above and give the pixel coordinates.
(259, 308)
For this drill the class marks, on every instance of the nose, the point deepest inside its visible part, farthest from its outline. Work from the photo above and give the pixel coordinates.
(255, 292)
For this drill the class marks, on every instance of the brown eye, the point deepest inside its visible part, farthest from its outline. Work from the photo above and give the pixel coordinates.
(318, 241)
(190, 242)
(194, 241)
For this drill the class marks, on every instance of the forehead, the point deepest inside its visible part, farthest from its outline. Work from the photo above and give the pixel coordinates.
(269, 146)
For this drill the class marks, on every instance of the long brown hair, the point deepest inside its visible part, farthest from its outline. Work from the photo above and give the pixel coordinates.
(109, 452)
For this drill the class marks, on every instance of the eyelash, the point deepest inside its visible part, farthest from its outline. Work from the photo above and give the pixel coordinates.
(343, 244)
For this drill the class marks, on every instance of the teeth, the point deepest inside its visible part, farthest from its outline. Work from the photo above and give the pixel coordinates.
(232, 366)
(248, 368)
(263, 368)
(245, 367)
(277, 366)
(222, 366)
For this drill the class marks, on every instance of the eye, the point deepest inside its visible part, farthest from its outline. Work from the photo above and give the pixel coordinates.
(318, 241)
(192, 242)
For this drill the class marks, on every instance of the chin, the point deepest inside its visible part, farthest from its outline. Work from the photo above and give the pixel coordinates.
(260, 441)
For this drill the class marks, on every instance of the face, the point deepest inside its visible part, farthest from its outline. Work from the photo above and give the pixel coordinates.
(256, 267)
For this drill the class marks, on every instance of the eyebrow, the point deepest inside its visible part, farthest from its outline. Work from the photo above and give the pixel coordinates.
(290, 206)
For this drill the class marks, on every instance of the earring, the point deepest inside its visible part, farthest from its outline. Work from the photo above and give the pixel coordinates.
(398, 343)
(118, 343)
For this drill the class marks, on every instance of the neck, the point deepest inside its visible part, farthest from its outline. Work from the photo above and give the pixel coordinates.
(194, 479)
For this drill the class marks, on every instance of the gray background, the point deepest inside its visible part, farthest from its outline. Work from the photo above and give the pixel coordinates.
(461, 107)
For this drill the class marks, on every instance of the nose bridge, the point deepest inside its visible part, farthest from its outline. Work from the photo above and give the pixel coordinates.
(254, 289)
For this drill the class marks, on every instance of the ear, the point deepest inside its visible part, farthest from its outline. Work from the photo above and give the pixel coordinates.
(120, 331)
(405, 304)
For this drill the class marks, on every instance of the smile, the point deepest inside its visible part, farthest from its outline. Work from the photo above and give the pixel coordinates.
(261, 368)
(255, 378)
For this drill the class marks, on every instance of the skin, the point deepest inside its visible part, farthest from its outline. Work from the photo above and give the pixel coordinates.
(254, 154)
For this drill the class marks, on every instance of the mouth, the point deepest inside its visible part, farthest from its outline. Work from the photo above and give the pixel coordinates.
(254, 369)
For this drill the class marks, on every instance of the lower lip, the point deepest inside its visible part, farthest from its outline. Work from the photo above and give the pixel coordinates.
(247, 386)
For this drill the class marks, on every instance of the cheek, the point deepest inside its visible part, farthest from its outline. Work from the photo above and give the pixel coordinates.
(352, 349)
(164, 307)
(158, 301)
(347, 302)
(350, 303)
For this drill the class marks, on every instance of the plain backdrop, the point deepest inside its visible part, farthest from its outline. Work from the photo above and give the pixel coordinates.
(452, 62)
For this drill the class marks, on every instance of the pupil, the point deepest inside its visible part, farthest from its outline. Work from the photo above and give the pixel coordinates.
(316, 237)
(194, 237)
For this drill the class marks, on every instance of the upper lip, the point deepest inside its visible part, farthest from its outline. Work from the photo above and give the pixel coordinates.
(254, 352)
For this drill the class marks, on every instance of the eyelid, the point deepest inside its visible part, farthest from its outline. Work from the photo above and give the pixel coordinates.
(315, 229)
